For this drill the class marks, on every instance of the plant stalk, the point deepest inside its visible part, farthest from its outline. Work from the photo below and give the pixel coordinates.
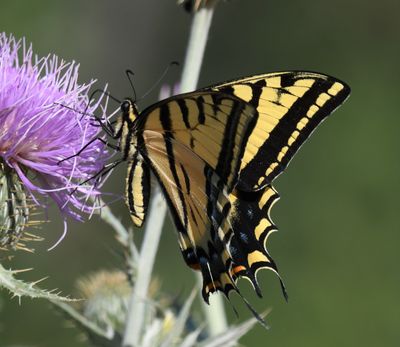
(134, 325)
(215, 312)
(195, 50)
(137, 304)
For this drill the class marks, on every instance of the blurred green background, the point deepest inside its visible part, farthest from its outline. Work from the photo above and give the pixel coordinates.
(337, 248)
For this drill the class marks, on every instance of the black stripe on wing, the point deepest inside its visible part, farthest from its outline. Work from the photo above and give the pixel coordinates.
(288, 127)
(214, 125)
(290, 106)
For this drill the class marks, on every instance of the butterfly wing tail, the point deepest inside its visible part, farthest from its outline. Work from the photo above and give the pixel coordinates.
(240, 251)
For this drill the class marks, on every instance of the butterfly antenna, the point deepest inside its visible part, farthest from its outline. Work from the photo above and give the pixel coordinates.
(171, 64)
(105, 93)
(130, 74)
(91, 98)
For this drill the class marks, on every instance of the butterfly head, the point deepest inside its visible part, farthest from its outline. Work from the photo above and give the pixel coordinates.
(129, 111)
(126, 118)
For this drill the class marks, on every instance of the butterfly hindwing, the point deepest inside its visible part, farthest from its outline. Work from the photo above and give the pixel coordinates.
(194, 144)
(198, 205)
(215, 228)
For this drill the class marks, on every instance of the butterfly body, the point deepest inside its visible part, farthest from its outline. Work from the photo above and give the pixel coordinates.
(124, 129)
(215, 153)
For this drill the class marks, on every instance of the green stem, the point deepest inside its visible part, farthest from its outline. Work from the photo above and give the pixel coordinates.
(196, 47)
(137, 304)
(215, 312)
(134, 325)
(122, 234)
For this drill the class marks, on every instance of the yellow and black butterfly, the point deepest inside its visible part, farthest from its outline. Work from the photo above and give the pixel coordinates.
(215, 153)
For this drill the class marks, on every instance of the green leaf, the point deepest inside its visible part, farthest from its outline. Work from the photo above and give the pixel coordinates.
(97, 335)
(19, 288)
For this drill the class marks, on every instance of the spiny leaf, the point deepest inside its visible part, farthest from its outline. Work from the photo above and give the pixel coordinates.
(230, 338)
(98, 336)
(191, 339)
(19, 288)
(179, 325)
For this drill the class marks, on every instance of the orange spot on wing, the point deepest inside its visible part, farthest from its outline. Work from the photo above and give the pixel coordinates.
(195, 266)
(238, 269)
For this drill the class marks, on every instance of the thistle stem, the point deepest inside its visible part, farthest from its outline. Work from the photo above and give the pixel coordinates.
(195, 51)
(122, 234)
(190, 75)
(215, 312)
(137, 304)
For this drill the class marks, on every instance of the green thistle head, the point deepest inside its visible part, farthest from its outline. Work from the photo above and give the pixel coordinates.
(15, 211)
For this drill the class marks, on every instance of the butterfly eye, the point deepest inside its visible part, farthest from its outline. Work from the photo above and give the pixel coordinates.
(125, 106)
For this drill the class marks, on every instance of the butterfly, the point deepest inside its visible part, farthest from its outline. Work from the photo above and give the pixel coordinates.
(215, 153)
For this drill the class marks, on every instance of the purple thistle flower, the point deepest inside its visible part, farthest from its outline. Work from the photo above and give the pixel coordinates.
(37, 131)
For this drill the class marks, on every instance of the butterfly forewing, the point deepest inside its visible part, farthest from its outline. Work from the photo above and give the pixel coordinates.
(290, 106)
(213, 126)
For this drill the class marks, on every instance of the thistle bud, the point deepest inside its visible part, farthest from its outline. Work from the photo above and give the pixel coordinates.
(107, 296)
(15, 210)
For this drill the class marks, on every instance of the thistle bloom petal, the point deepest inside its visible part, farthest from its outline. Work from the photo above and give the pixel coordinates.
(42, 122)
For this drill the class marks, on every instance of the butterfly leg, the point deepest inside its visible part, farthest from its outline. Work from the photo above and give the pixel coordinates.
(110, 145)
(104, 171)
